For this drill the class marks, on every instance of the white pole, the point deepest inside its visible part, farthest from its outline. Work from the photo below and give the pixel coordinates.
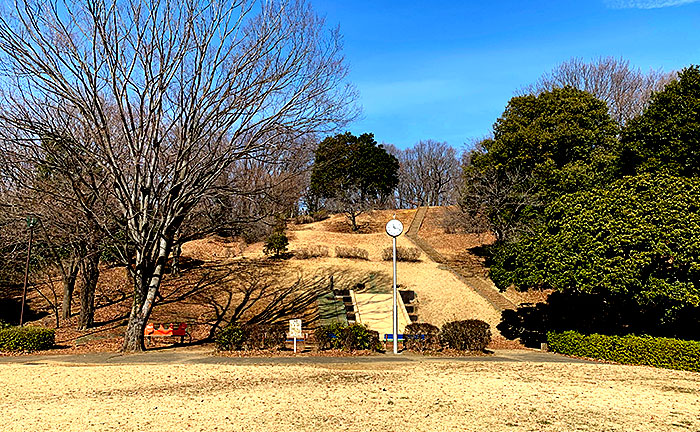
(395, 315)
(295, 345)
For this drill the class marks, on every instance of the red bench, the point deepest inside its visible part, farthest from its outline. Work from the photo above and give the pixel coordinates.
(181, 331)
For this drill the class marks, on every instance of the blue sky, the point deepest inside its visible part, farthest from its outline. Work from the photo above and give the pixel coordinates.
(445, 70)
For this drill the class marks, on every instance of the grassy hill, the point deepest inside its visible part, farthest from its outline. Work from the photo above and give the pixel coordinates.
(221, 278)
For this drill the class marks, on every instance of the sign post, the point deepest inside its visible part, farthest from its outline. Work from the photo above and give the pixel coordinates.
(295, 331)
(394, 228)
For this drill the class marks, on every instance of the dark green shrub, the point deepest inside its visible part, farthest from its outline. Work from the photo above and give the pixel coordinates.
(359, 337)
(330, 336)
(409, 254)
(639, 350)
(421, 337)
(26, 338)
(264, 336)
(4, 325)
(467, 335)
(230, 338)
(276, 244)
(348, 338)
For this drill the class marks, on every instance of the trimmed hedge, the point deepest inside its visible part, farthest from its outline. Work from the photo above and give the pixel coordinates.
(235, 337)
(421, 337)
(408, 254)
(264, 336)
(230, 338)
(351, 252)
(466, 335)
(347, 338)
(313, 251)
(638, 350)
(26, 338)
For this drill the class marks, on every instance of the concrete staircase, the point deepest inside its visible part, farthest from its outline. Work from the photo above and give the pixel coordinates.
(375, 311)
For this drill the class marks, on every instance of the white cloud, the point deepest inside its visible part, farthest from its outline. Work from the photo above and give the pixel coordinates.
(645, 4)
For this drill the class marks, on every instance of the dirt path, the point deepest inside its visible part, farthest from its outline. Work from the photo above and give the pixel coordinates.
(427, 395)
(481, 286)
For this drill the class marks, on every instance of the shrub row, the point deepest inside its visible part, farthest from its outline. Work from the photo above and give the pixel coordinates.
(347, 337)
(466, 335)
(409, 254)
(26, 338)
(313, 251)
(235, 337)
(351, 252)
(638, 350)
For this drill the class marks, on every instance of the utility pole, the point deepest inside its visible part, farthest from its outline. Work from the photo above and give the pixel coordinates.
(31, 222)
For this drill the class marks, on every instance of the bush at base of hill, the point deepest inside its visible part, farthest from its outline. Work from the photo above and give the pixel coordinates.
(313, 251)
(466, 335)
(347, 338)
(26, 339)
(637, 350)
(421, 337)
(235, 337)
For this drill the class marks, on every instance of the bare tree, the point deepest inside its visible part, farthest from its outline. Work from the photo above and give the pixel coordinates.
(67, 195)
(429, 174)
(250, 196)
(626, 90)
(168, 95)
(493, 200)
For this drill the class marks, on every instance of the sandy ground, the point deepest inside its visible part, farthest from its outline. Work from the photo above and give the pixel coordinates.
(427, 396)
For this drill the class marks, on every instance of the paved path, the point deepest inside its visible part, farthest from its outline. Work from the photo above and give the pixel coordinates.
(179, 356)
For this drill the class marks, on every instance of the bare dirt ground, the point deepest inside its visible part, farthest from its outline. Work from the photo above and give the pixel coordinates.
(429, 395)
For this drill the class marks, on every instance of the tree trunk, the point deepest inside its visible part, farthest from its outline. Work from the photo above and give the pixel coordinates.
(147, 279)
(177, 252)
(68, 288)
(90, 270)
(353, 219)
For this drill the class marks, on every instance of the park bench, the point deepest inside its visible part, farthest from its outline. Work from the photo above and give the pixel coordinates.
(401, 338)
(303, 338)
(181, 331)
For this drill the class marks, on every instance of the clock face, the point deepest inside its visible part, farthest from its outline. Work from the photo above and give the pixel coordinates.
(394, 228)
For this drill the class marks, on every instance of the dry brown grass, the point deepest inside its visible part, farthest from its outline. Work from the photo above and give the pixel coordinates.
(420, 396)
(205, 281)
